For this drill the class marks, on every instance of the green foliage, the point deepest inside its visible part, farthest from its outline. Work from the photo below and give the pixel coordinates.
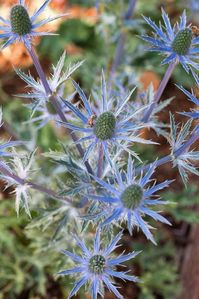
(47, 138)
(29, 259)
(16, 115)
(159, 271)
(21, 269)
(82, 35)
(183, 206)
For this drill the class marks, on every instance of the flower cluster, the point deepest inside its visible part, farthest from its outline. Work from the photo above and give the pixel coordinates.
(114, 193)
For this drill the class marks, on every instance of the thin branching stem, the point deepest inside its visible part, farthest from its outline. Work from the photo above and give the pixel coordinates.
(185, 147)
(182, 149)
(56, 104)
(34, 186)
(121, 43)
(100, 162)
(116, 62)
(160, 91)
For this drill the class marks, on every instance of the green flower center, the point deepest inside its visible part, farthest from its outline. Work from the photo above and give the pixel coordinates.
(97, 264)
(182, 41)
(20, 21)
(105, 126)
(132, 196)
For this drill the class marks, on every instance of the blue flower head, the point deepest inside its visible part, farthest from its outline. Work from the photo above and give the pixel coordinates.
(177, 43)
(105, 123)
(129, 199)
(41, 102)
(21, 27)
(97, 267)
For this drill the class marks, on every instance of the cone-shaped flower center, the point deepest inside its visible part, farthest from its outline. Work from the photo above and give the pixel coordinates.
(182, 42)
(105, 126)
(20, 21)
(132, 196)
(97, 264)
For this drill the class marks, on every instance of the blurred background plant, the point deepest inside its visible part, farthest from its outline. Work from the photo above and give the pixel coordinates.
(29, 249)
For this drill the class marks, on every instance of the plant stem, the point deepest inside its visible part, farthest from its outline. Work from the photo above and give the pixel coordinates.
(32, 185)
(116, 62)
(40, 71)
(56, 103)
(121, 43)
(160, 90)
(100, 162)
(130, 9)
(182, 149)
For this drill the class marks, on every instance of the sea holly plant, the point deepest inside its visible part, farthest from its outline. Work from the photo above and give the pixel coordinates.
(130, 198)
(177, 43)
(21, 27)
(40, 102)
(104, 190)
(104, 123)
(97, 267)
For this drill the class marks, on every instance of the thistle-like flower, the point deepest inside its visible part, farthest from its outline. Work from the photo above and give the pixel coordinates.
(22, 167)
(177, 42)
(41, 101)
(56, 80)
(96, 267)
(105, 123)
(21, 27)
(183, 159)
(147, 98)
(129, 199)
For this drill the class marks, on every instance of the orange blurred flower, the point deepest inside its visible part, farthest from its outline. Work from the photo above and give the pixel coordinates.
(88, 14)
(72, 49)
(16, 54)
(149, 77)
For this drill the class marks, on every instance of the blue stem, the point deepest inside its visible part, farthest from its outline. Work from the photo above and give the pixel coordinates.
(32, 185)
(160, 91)
(121, 43)
(100, 162)
(181, 150)
(130, 9)
(116, 63)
